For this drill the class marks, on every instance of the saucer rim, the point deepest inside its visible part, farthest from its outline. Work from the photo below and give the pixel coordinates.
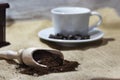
(69, 41)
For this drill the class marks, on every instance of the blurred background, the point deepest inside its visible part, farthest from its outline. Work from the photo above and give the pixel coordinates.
(36, 9)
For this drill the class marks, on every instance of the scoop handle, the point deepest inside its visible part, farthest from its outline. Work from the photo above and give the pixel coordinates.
(9, 54)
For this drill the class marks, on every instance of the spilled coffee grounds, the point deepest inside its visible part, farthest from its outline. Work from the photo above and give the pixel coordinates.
(67, 66)
(55, 63)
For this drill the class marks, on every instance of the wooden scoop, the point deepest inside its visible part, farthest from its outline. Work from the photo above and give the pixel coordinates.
(25, 56)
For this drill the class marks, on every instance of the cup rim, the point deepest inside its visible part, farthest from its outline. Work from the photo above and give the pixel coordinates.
(54, 10)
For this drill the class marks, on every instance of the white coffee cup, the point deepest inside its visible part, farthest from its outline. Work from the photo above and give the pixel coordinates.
(73, 20)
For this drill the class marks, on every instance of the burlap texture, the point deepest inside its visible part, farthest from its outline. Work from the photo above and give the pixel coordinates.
(100, 59)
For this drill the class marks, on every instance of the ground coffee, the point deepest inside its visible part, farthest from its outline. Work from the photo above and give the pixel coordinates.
(54, 62)
(67, 66)
(48, 57)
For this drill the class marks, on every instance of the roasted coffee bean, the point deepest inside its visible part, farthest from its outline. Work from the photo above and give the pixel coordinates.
(64, 38)
(87, 37)
(78, 35)
(52, 36)
(60, 37)
(78, 38)
(82, 37)
(59, 34)
(70, 37)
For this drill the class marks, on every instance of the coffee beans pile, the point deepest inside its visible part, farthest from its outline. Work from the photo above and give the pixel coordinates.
(69, 37)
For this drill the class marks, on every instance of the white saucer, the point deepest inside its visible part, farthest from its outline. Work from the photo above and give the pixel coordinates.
(95, 34)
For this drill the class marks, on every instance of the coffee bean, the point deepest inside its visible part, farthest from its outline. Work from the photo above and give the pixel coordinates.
(78, 35)
(51, 36)
(64, 38)
(78, 38)
(70, 37)
(59, 35)
(82, 37)
(87, 37)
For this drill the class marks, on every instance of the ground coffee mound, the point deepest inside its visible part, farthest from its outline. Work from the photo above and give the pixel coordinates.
(67, 66)
(54, 63)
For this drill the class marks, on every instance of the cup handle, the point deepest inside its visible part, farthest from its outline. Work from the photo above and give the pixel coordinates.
(98, 23)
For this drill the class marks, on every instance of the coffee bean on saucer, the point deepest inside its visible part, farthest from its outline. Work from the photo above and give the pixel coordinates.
(77, 37)
(70, 37)
(85, 37)
(59, 36)
(65, 37)
(51, 36)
